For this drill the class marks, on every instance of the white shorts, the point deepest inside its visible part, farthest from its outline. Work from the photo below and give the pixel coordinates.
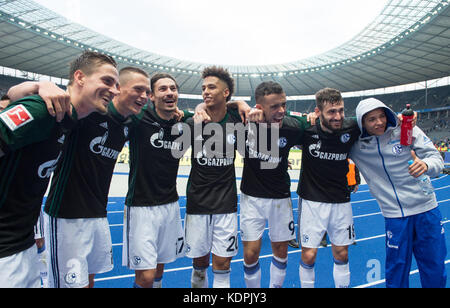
(152, 235)
(215, 234)
(77, 248)
(20, 270)
(277, 212)
(316, 218)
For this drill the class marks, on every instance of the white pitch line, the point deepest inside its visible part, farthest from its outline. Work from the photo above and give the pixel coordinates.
(265, 257)
(357, 216)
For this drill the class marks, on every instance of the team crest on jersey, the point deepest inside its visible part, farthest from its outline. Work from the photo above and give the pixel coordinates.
(282, 143)
(16, 117)
(397, 149)
(345, 138)
(231, 139)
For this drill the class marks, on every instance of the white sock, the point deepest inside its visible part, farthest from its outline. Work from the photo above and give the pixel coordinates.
(341, 274)
(221, 279)
(307, 275)
(157, 283)
(277, 272)
(252, 275)
(199, 278)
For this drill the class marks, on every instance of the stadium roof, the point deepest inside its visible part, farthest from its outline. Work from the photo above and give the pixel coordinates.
(408, 42)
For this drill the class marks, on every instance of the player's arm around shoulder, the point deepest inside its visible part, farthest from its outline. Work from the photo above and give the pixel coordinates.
(56, 99)
(24, 122)
(306, 120)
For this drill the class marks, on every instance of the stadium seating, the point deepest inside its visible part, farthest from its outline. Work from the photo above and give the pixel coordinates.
(436, 97)
(7, 82)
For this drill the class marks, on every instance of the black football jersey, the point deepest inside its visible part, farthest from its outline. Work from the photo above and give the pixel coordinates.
(80, 185)
(323, 177)
(212, 181)
(266, 175)
(32, 141)
(153, 167)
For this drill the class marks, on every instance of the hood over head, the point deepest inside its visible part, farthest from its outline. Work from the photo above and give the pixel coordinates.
(369, 105)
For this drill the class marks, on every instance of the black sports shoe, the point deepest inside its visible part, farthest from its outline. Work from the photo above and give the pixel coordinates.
(294, 244)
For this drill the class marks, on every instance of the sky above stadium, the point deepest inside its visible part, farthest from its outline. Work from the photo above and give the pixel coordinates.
(232, 32)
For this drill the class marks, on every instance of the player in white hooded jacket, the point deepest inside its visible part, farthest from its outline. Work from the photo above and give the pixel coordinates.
(413, 220)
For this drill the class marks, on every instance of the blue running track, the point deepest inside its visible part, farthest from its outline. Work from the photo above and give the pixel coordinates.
(367, 258)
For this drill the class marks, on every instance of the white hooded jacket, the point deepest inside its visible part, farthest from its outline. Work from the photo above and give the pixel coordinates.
(384, 164)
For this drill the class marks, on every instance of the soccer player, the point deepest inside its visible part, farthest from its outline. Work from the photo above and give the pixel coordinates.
(82, 201)
(211, 224)
(323, 190)
(78, 197)
(153, 232)
(413, 220)
(31, 142)
(266, 194)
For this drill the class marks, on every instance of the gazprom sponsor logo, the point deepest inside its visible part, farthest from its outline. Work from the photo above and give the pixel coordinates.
(46, 169)
(97, 146)
(314, 150)
(159, 143)
(215, 162)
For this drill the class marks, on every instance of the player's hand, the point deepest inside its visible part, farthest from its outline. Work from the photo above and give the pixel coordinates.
(244, 110)
(312, 118)
(178, 115)
(256, 115)
(201, 116)
(414, 122)
(419, 167)
(56, 99)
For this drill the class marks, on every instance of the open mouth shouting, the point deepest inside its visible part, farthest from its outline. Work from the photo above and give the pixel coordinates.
(170, 102)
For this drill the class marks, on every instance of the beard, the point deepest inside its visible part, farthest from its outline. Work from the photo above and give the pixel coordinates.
(327, 124)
